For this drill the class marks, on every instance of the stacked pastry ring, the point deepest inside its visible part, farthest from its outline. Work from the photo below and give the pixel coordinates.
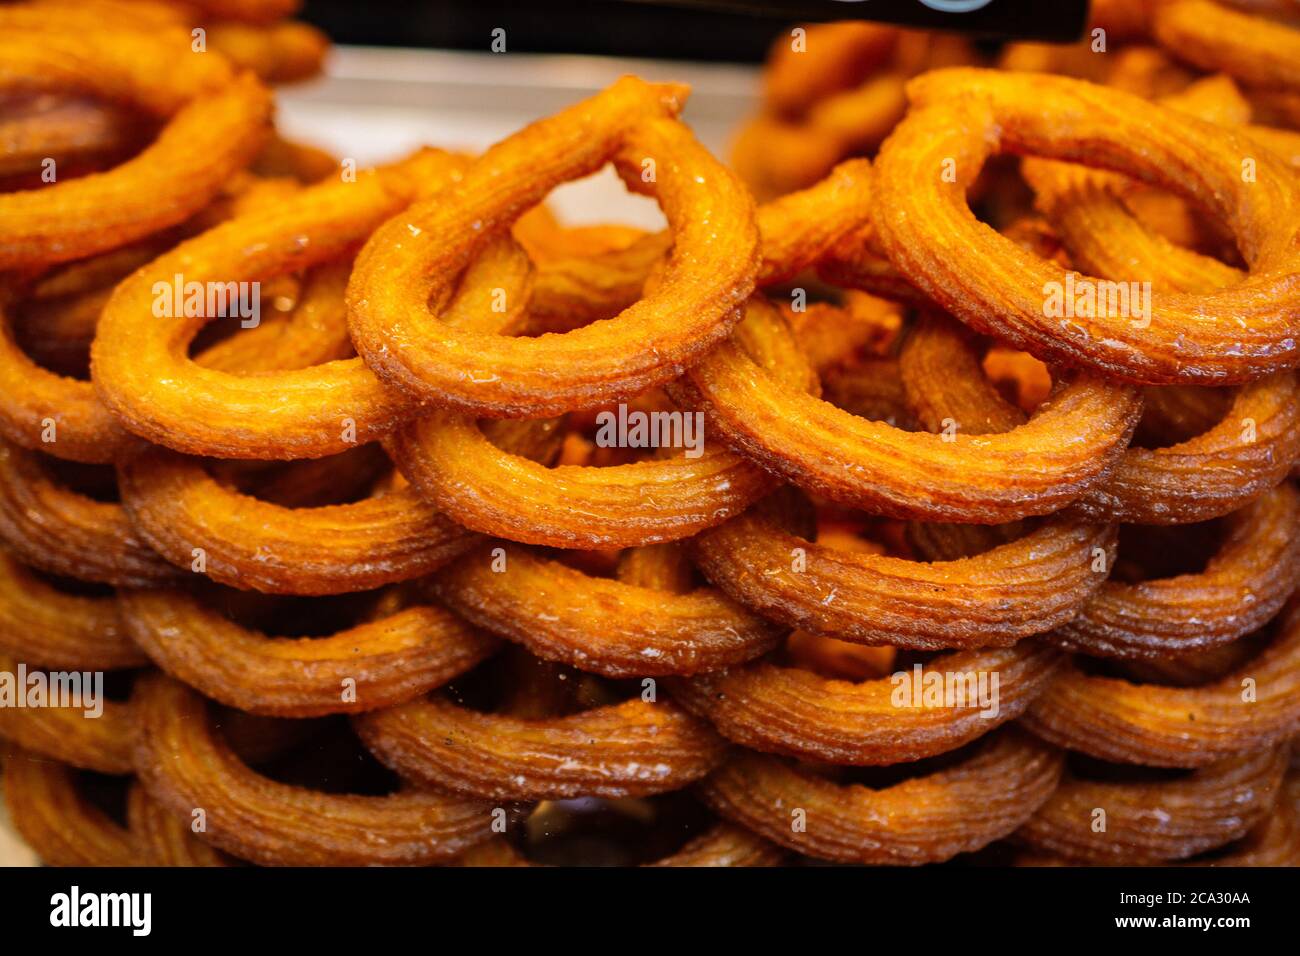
(497, 542)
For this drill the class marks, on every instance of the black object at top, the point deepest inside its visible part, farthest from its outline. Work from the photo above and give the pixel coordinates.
(728, 30)
(1058, 20)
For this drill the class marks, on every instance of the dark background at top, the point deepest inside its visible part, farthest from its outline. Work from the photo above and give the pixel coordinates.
(577, 26)
(636, 29)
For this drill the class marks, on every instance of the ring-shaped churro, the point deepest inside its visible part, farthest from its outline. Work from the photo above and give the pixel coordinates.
(64, 417)
(378, 663)
(635, 748)
(1029, 585)
(1252, 707)
(1032, 470)
(1245, 583)
(798, 713)
(617, 628)
(185, 766)
(215, 124)
(403, 275)
(960, 117)
(143, 373)
(246, 543)
(927, 819)
(1233, 459)
(1157, 821)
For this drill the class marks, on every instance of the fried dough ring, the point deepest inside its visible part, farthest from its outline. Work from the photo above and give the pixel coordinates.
(388, 537)
(797, 713)
(487, 488)
(48, 628)
(315, 331)
(884, 470)
(410, 261)
(50, 813)
(84, 430)
(927, 819)
(1157, 822)
(1025, 587)
(618, 628)
(621, 750)
(1242, 587)
(1217, 38)
(66, 734)
(51, 527)
(215, 124)
(1216, 472)
(1208, 475)
(251, 544)
(991, 284)
(1158, 726)
(184, 765)
(143, 375)
(389, 660)
(1104, 236)
(454, 466)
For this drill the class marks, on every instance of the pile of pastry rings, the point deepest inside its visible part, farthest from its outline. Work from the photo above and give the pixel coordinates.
(923, 491)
